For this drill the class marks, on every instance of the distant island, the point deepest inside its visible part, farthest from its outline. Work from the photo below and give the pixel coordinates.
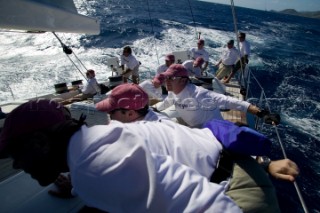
(296, 13)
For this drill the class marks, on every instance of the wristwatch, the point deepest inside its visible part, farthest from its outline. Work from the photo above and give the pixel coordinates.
(265, 162)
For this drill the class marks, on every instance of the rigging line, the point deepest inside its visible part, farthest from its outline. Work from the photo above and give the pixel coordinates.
(68, 50)
(304, 206)
(152, 30)
(281, 144)
(65, 49)
(194, 23)
(238, 41)
(77, 68)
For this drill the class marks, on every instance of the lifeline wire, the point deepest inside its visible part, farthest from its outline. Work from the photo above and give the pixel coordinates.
(304, 206)
(279, 139)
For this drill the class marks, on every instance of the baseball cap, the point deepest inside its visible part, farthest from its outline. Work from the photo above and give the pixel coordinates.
(170, 57)
(176, 70)
(32, 116)
(125, 96)
(199, 61)
(200, 41)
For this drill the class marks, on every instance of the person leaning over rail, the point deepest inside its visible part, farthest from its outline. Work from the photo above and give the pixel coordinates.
(136, 167)
(196, 105)
(126, 103)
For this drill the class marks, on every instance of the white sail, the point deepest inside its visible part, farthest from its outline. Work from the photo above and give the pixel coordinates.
(45, 15)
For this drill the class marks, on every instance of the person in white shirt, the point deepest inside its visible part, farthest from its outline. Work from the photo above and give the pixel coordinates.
(227, 61)
(136, 167)
(130, 65)
(169, 59)
(87, 91)
(196, 105)
(200, 51)
(244, 54)
(194, 67)
(154, 90)
(128, 103)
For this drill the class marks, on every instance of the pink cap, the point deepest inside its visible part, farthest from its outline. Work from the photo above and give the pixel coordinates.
(159, 79)
(176, 70)
(125, 96)
(198, 62)
(170, 57)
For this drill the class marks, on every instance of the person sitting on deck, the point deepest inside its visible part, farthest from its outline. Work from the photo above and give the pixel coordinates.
(128, 103)
(169, 59)
(135, 167)
(196, 105)
(153, 90)
(194, 67)
(200, 51)
(227, 61)
(244, 54)
(130, 65)
(90, 89)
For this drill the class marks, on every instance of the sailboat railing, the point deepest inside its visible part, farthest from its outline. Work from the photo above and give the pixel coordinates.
(245, 81)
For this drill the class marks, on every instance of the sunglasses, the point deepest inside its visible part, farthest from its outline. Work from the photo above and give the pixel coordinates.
(174, 78)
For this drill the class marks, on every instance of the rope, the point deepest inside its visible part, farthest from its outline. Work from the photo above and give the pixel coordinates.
(154, 40)
(68, 51)
(268, 106)
(304, 206)
(194, 23)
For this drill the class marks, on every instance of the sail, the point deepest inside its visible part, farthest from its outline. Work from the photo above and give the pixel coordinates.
(45, 15)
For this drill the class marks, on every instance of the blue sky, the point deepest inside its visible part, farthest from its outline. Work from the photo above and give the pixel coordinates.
(299, 5)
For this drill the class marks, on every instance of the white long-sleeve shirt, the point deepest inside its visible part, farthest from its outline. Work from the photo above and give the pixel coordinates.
(196, 105)
(192, 71)
(230, 56)
(244, 48)
(147, 167)
(195, 53)
(162, 68)
(130, 62)
(91, 87)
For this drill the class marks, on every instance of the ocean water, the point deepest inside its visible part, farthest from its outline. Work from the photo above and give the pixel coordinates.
(285, 59)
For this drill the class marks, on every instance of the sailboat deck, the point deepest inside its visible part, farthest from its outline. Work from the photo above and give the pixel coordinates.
(233, 90)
